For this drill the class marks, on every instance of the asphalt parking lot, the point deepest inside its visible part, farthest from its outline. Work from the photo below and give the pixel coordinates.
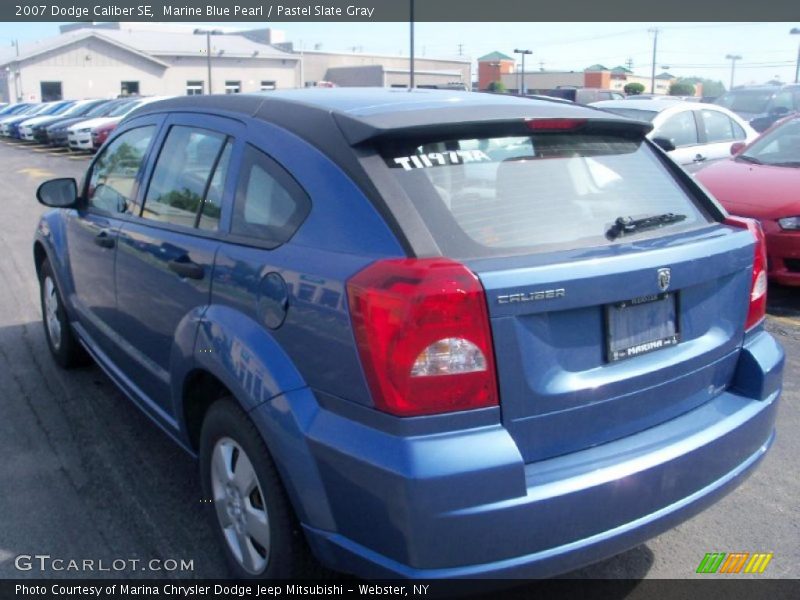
(84, 475)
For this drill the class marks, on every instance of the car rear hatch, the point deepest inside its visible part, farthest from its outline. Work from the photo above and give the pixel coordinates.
(589, 348)
(617, 300)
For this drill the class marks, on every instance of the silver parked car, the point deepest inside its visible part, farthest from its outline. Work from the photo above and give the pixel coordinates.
(699, 132)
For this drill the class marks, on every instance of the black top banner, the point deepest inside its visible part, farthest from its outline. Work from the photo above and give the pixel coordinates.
(397, 10)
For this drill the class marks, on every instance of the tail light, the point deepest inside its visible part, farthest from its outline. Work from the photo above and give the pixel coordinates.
(554, 124)
(758, 286)
(422, 330)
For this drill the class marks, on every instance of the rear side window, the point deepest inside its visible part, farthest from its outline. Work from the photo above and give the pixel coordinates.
(783, 99)
(183, 176)
(535, 193)
(269, 205)
(112, 180)
(680, 129)
(719, 127)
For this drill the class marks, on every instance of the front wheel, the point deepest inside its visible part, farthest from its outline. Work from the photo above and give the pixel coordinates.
(250, 509)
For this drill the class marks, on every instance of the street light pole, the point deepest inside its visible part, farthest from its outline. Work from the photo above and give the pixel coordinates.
(411, 54)
(17, 75)
(522, 75)
(208, 58)
(733, 58)
(796, 31)
(654, 31)
(209, 33)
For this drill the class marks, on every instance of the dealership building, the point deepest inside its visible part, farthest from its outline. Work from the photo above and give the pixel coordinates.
(499, 67)
(111, 59)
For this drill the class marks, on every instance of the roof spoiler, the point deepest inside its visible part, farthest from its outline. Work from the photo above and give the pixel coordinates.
(490, 121)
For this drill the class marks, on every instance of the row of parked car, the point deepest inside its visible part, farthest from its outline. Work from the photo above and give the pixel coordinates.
(74, 124)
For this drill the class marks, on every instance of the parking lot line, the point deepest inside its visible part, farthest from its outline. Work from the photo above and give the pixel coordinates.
(794, 321)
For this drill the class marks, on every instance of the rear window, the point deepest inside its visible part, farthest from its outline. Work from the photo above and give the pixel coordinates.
(633, 113)
(535, 193)
(746, 101)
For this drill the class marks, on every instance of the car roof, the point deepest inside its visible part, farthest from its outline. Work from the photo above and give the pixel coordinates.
(363, 113)
(652, 105)
(658, 105)
(765, 87)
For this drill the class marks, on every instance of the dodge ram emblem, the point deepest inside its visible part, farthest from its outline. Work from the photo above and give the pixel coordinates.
(664, 276)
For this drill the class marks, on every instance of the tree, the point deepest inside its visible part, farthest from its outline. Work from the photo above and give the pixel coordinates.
(680, 88)
(497, 86)
(633, 89)
(711, 87)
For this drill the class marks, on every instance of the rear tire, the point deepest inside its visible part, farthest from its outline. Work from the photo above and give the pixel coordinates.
(249, 508)
(65, 348)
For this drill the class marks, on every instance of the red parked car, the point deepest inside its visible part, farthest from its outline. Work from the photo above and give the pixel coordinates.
(100, 134)
(762, 180)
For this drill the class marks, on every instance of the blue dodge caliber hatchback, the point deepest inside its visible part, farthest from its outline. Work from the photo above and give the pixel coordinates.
(418, 334)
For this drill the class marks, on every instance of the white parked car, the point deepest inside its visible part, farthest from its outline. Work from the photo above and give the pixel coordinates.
(79, 135)
(700, 132)
(26, 127)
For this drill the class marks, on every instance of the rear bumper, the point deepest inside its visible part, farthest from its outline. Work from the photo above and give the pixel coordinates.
(463, 504)
(783, 250)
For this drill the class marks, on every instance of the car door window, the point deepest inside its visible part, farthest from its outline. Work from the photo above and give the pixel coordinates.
(212, 204)
(183, 175)
(680, 129)
(269, 205)
(719, 127)
(783, 100)
(112, 180)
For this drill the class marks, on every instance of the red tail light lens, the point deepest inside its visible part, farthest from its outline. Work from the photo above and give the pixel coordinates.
(554, 124)
(758, 286)
(422, 330)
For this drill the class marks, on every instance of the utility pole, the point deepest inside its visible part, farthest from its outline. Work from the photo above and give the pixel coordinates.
(208, 58)
(522, 75)
(733, 58)
(17, 76)
(541, 65)
(796, 31)
(461, 49)
(209, 33)
(654, 31)
(629, 64)
(411, 57)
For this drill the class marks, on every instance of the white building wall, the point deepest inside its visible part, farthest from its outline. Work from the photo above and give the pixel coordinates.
(88, 69)
(95, 69)
(250, 71)
(544, 80)
(316, 64)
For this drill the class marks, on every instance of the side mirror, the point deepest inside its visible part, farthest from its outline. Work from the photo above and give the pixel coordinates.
(665, 144)
(737, 147)
(58, 193)
(779, 111)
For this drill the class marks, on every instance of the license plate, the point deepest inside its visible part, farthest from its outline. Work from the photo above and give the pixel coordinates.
(641, 325)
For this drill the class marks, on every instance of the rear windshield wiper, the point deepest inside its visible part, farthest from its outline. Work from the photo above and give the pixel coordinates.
(627, 225)
(750, 159)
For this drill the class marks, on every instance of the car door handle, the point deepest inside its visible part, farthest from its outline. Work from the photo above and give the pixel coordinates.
(186, 268)
(104, 239)
(699, 158)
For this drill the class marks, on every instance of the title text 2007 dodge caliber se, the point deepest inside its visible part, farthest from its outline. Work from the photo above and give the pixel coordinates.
(418, 334)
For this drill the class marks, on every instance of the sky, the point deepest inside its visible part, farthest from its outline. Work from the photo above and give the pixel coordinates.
(768, 51)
